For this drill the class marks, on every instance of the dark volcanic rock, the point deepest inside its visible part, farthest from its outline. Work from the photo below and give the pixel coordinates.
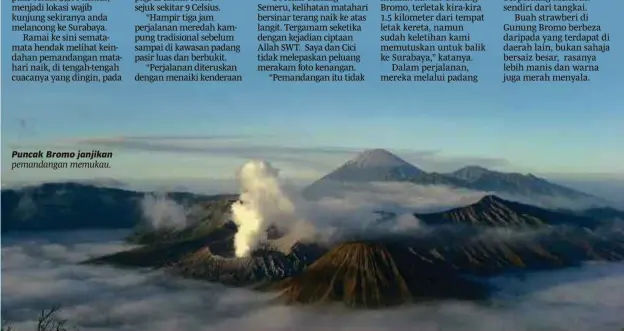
(204, 216)
(165, 254)
(487, 239)
(483, 252)
(263, 267)
(377, 272)
(603, 214)
(494, 211)
(372, 275)
(211, 257)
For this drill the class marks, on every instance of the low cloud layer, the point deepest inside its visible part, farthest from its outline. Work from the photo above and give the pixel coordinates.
(39, 272)
(267, 200)
(344, 209)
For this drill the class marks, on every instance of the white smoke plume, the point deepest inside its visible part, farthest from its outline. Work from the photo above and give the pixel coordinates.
(161, 212)
(342, 210)
(266, 200)
(406, 222)
(263, 200)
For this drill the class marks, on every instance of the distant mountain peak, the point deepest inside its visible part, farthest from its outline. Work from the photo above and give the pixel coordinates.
(381, 165)
(377, 158)
(491, 198)
(373, 165)
(471, 173)
(482, 179)
(492, 210)
(475, 168)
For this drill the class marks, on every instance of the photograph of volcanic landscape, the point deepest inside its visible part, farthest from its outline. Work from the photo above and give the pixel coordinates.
(377, 243)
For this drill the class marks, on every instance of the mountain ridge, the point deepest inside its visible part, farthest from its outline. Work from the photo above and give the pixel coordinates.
(492, 210)
(373, 275)
(388, 268)
(478, 178)
(513, 182)
(63, 206)
(378, 163)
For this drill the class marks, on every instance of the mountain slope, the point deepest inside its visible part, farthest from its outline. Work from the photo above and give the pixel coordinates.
(380, 165)
(479, 178)
(264, 267)
(603, 213)
(369, 166)
(381, 270)
(202, 218)
(65, 206)
(372, 275)
(491, 251)
(494, 211)
(210, 257)
(374, 165)
(72, 206)
(168, 253)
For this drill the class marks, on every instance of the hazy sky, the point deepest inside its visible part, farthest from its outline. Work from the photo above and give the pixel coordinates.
(206, 129)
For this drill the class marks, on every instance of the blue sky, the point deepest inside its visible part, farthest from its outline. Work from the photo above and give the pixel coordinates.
(205, 129)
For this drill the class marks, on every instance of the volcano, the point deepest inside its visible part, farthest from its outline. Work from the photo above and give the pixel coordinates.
(369, 166)
(262, 268)
(374, 165)
(489, 238)
(380, 165)
(374, 275)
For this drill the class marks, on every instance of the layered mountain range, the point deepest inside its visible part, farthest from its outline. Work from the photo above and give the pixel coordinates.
(70, 206)
(73, 206)
(490, 237)
(494, 211)
(449, 256)
(381, 165)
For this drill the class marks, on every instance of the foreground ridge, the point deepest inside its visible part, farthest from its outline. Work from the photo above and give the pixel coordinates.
(373, 275)
(488, 238)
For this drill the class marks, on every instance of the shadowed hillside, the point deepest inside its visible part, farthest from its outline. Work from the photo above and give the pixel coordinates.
(262, 268)
(494, 211)
(483, 179)
(373, 275)
(488, 238)
(75, 206)
(164, 254)
(210, 257)
(203, 218)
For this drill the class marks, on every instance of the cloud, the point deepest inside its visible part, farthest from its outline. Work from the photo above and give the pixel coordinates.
(160, 212)
(262, 203)
(346, 209)
(266, 200)
(317, 158)
(39, 271)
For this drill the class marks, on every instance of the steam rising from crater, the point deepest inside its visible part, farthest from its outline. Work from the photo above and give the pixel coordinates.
(161, 212)
(266, 201)
(263, 199)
